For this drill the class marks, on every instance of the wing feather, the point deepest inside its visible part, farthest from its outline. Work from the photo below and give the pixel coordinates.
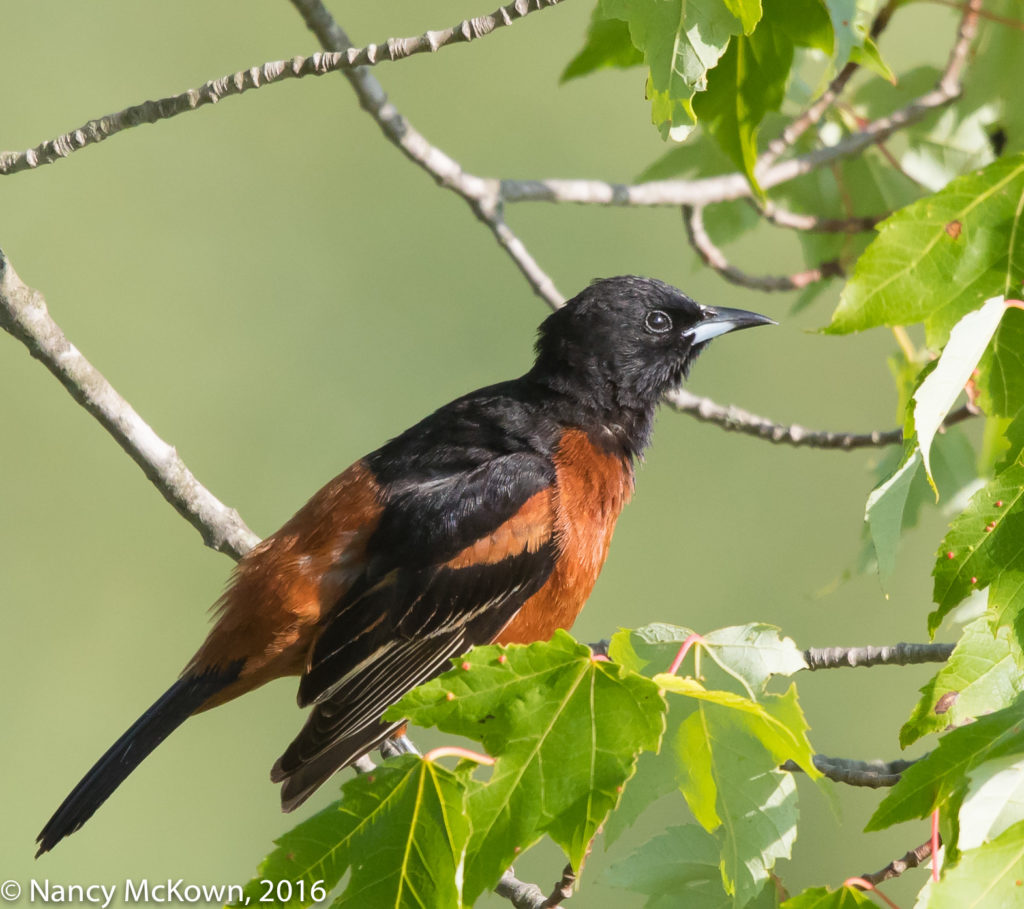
(402, 622)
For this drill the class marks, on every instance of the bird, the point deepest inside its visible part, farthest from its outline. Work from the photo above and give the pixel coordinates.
(486, 522)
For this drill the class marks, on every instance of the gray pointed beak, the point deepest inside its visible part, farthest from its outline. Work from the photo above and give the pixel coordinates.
(718, 320)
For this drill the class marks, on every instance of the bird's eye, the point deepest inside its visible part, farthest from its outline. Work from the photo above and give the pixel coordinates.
(658, 322)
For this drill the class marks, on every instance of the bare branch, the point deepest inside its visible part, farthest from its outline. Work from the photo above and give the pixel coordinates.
(522, 895)
(563, 889)
(810, 117)
(735, 419)
(912, 859)
(347, 58)
(783, 218)
(537, 278)
(893, 655)
(483, 195)
(24, 315)
(869, 774)
(713, 257)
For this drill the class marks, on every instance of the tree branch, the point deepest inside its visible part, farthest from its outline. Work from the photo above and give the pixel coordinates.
(894, 655)
(781, 217)
(713, 257)
(481, 194)
(24, 315)
(869, 774)
(563, 889)
(347, 58)
(895, 868)
(735, 419)
(521, 894)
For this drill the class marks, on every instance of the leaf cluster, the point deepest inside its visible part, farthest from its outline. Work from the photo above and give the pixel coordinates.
(574, 738)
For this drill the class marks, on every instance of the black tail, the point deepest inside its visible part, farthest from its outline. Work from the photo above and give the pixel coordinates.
(171, 710)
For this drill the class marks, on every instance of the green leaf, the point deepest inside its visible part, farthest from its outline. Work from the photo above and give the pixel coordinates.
(807, 23)
(749, 13)
(653, 646)
(884, 512)
(861, 186)
(655, 778)
(566, 730)
(402, 831)
(823, 898)
(776, 721)
(749, 81)
(680, 867)
(728, 750)
(751, 654)
(983, 547)
(958, 141)
(997, 70)
(680, 41)
(754, 653)
(936, 778)
(869, 56)
(843, 14)
(1001, 374)
(989, 876)
(938, 258)
(956, 474)
(936, 395)
(994, 801)
(607, 45)
(984, 673)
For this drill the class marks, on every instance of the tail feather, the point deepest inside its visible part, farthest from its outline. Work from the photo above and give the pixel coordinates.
(170, 710)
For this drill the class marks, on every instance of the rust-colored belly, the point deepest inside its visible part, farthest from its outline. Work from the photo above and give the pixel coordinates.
(593, 486)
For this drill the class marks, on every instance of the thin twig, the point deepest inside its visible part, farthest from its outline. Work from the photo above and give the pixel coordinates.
(819, 107)
(869, 774)
(23, 314)
(781, 217)
(912, 859)
(391, 50)
(481, 194)
(893, 655)
(735, 419)
(810, 117)
(713, 257)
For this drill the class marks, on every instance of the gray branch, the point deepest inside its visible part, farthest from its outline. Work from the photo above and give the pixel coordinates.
(912, 859)
(893, 655)
(870, 774)
(713, 257)
(521, 894)
(23, 314)
(735, 419)
(782, 217)
(480, 193)
(347, 58)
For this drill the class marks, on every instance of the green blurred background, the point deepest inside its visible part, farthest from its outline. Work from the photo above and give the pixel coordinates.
(277, 291)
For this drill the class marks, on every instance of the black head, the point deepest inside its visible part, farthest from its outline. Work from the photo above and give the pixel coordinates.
(623, 342)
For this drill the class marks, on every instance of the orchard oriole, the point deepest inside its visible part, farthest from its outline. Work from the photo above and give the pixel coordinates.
(488, 521)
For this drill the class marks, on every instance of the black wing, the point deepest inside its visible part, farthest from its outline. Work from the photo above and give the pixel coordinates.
(454, 557)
